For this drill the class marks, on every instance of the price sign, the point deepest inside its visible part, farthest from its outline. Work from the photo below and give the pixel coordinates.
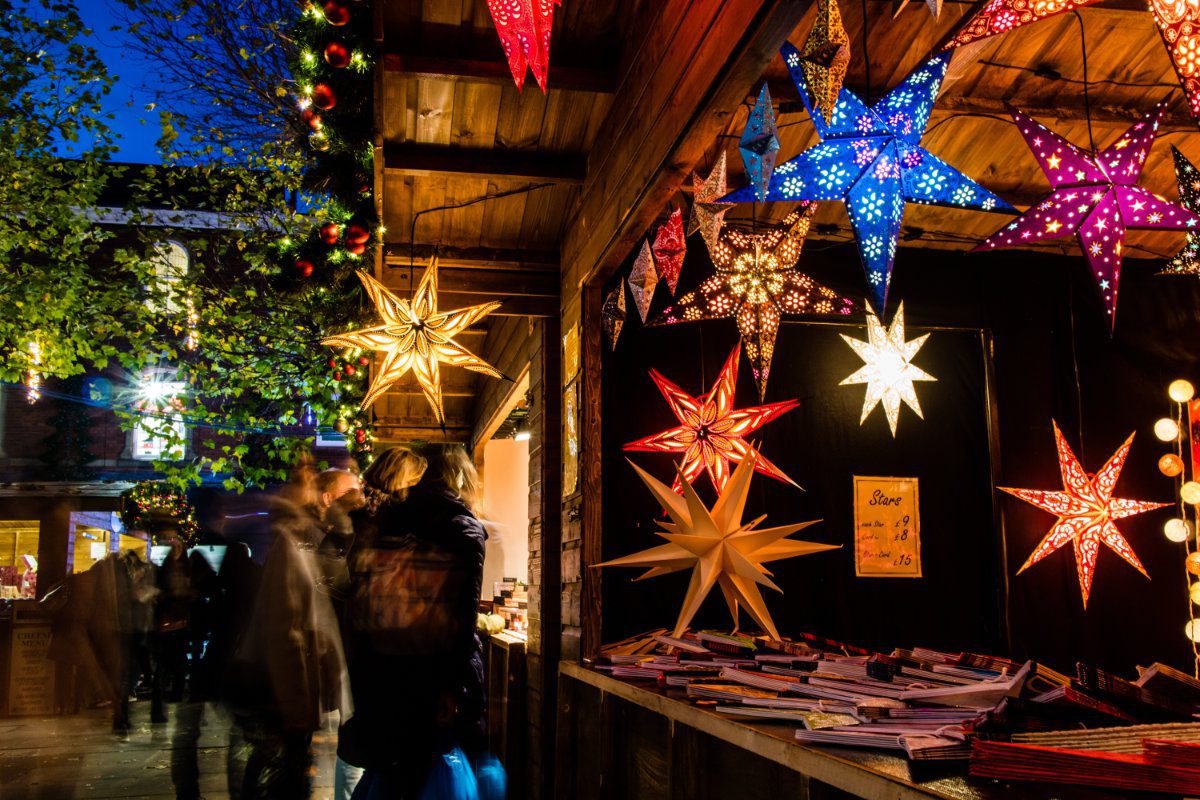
(887, 527)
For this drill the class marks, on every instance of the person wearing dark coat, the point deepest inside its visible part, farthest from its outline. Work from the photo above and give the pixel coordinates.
(416, 662)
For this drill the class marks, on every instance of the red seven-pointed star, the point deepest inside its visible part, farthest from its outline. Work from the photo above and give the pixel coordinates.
(1086, 512)
(711, 432)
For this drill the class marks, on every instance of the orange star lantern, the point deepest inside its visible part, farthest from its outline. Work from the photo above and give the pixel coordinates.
(711, 432)
(1086, 513)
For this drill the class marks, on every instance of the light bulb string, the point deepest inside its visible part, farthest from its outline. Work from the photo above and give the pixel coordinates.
(1192, 542)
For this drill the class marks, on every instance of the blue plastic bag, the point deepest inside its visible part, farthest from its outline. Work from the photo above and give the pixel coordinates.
(451, 778)
(492, 779)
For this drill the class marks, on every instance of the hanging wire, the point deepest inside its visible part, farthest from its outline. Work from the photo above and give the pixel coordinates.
(1192, 542)
(1087, 100)
(1075, 367)
(866, 54)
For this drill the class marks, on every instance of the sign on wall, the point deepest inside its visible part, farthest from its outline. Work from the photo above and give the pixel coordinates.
(31, 672)
(887, 527)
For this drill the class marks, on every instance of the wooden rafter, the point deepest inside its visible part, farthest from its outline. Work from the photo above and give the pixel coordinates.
(410, 158)
(401, 253)
(579, 79)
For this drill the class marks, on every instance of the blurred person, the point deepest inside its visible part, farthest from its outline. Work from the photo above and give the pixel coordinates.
(172, 620)
(416, 663)
(292, 644)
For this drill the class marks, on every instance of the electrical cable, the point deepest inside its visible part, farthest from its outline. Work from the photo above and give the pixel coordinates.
(1087, 101)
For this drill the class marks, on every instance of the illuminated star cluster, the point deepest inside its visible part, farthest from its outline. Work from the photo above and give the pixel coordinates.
(711, 432)
(414, 335)
(755, 283)
(1086, 512)
(1187, 260)
(888, 370)
(1095, 196)
(871, 159)
(718, 547)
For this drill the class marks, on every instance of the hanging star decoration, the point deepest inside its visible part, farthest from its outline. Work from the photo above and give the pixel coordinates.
(826, 56)
(708, 211)
(711, 432)
(524, 28)
(760, 143)
(719, 548)
(887, 368)
(1187, 260)
(669, 249)
(934, 6)
(872, 160)
(612, 314)
(1086, 512)
(415, 335)
(756, 283)
(1094, 194)
(1178, 23)
(643, 279)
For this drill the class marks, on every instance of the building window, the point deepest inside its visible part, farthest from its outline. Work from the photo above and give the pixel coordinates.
(159, 432)
(170, 261)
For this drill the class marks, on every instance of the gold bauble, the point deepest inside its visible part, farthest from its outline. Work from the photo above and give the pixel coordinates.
(1170, 465)
(341, 426)
(1193, 563)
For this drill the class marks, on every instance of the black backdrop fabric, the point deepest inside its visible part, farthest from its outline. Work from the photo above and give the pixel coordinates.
(1018, 339)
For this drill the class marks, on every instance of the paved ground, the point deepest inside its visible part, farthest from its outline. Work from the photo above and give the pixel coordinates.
(61, 758)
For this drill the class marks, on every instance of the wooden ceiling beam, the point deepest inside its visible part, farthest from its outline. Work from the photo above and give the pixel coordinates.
(410, 158)
(578, 79)
(499, 282)
(401, 253)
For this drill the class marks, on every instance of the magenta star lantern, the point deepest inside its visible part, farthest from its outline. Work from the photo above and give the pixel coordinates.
(1094, 195)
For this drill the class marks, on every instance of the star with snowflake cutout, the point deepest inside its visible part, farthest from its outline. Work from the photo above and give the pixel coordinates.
(888, 370)
(1086, 511)
(711, 432)
(718, 547)
(1187, 260)
(1094, 195)
(871, 159)
(760, 143)
(756, 283)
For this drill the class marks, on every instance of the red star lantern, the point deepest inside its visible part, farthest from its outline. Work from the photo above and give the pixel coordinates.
(524, 28)
(711, 432)
(669, 249)
(1086, 512)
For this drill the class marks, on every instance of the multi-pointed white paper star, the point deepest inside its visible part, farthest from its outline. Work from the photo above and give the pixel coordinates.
(888, 370)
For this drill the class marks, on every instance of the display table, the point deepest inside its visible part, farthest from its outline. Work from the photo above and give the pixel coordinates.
(619, 739)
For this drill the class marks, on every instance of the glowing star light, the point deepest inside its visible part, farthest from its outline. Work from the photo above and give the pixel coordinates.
(719, 548)
(669, 249)
(756, 284)
(524, 28)
(872, 160)
(825, 57)
(1187, 260)
(760, 143)
(708, 212)
(1178, 22)
(414, 335)
(1086, 512)
(612, 314)
(888, 370)
(711, 432)
(643, 279)
(1095, 195)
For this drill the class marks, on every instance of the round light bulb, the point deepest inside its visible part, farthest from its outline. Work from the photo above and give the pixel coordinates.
(1193, 563)
(1194, 592)
(1170, 465)
(1177, 530)
(1192, 630)
(1190, 492)
(1181, 391)
(1166, 429)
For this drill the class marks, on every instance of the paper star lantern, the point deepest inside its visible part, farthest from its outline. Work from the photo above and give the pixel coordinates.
(1095, 195)
(1178, 22)
(669, 249)
(1086, 512)
(524, 28)
(755, 283)
(711, 432)
(612, 314)
(643, 278)
(1187, 260)
(825, 57)
(934, 6)
(888, 370)
(719, 548)
(708, 211)
(760, 143)
(872, 160)
(415, 335)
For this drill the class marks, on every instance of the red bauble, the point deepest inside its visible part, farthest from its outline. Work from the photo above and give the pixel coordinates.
(337, 375)
(333, 363)
(304, 267)
(357, 234)
(356, 248)
(360, 436)
(349, 369)
(311, 118)
(337, 55)
(323, 96)
(364, 361)
(336, 13)
(330, 232)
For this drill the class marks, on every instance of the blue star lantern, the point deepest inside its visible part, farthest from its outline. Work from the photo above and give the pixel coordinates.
(872, 160)
(760, 143)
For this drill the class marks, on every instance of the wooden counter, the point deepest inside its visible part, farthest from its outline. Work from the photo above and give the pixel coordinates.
(622, 740)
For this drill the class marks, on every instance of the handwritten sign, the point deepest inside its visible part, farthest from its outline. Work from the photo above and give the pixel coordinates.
(31, 673)
(887, 527)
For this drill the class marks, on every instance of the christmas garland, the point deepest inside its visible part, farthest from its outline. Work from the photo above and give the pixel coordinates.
(156, 507)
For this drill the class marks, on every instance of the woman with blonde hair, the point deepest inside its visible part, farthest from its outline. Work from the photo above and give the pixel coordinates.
(391, 475)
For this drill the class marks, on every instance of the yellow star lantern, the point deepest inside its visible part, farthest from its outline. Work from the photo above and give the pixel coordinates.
(415, 335)
(719, 548)
(888, 370)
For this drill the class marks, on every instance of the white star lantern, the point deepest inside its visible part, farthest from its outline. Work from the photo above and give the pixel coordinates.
(888, 370)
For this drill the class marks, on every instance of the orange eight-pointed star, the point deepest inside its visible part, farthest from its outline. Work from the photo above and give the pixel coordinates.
(711, 432)
(415, 335)
(1086, 513)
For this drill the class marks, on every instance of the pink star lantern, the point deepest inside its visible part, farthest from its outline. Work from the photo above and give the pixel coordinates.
(1086, 511)
(669, 249)
(711, 432)
(1094, 194)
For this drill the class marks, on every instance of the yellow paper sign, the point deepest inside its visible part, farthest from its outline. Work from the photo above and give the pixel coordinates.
(887, 527)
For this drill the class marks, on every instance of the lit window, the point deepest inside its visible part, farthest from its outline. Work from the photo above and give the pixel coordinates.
(159, 432)
(170, 261)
